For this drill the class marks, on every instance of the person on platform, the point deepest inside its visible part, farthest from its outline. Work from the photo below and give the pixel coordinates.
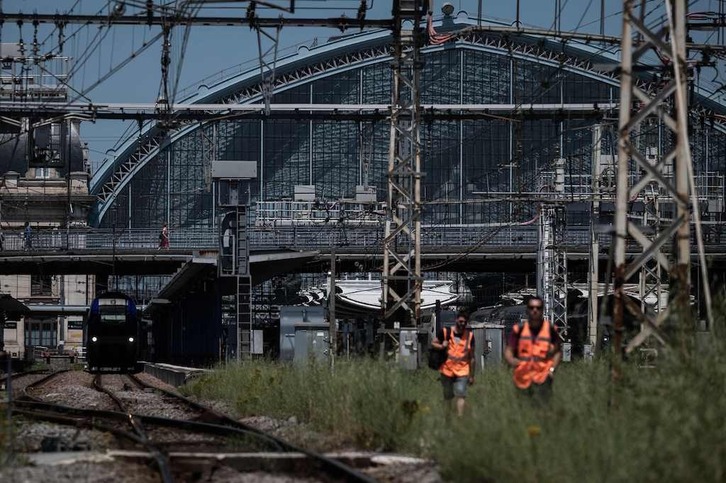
(28, 237)
(457, 371)
(533, 350)
(164, 237)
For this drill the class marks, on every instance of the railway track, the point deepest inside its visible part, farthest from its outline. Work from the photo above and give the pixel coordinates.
(132, 423)
(25, 392)
(162, 461)
(7, 380)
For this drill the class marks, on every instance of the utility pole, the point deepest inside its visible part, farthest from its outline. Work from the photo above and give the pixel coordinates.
(594, 261)
(69, 166)
(670, 103)
(401, 277)
(333, 335)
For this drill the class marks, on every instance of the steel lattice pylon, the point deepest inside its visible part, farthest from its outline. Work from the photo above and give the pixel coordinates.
(636, 107)
(551, 254)
(401, 276)
(552, 260)
(650, 272)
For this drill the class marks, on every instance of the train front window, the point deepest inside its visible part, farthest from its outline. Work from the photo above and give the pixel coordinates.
(112, 311)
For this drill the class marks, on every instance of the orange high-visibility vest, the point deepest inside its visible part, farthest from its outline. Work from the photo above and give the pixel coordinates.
(535, 352)
(458, 358)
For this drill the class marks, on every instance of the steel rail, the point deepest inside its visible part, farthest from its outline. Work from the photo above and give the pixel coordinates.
(209, 414)
(90, 423)
(220, 419)
(164, 471)
(162, 461)
(16, 375)
(37, 384)
(30, 400)
(46, 411)
(194, 426)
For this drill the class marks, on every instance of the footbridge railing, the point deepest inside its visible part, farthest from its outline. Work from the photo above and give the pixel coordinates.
(366, 239)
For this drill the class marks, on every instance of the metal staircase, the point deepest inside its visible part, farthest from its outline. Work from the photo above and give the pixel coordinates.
(244, 288)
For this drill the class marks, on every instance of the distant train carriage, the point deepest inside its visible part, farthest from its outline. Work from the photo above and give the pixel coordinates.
(112, 334)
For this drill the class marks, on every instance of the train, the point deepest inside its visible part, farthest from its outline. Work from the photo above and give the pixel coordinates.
(112, 335)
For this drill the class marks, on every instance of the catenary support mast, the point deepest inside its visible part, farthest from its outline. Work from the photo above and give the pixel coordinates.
(636, 106)
(402, 278)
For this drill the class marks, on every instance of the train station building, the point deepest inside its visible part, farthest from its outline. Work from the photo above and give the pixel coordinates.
(321, 182)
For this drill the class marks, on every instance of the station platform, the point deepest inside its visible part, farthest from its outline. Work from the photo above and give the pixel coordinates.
(173, 375)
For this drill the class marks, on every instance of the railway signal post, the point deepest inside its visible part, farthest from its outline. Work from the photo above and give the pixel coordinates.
(232, 189)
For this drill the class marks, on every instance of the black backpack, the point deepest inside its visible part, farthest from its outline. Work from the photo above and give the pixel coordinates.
(437, 357)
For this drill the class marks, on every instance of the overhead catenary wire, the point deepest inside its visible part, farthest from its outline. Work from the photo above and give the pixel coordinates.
(185, 39)
(544, 92)
(116, 68)
(519, 102)
(92, 46)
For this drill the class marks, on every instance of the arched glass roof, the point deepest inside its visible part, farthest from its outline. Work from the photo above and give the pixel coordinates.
(544, 70)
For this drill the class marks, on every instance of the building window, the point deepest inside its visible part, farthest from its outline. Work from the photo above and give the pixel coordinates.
(41, 333)
(42, 173)
(41, 285)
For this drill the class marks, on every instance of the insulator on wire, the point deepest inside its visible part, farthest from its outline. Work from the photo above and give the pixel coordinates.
(251, 14)
(120, 8)
(21, 44)
(166, 49)
(61, 36)
(36, 46)
(149, 12)
(362, 11)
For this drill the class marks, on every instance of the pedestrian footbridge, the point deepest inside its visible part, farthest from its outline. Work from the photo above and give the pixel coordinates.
(357, 247)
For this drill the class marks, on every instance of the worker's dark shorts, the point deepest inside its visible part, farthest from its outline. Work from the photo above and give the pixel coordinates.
(454, 386)
(539, 393)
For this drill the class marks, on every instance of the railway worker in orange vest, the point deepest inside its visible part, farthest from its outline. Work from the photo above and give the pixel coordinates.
(457, 372)
(533, 349)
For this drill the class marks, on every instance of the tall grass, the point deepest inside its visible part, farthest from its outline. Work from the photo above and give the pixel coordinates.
(5, 439)
(668, 423)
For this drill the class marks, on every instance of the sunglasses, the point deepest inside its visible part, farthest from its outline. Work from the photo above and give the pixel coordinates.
(534, 307)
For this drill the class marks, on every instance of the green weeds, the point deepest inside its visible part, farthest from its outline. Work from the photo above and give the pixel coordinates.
(668, 423)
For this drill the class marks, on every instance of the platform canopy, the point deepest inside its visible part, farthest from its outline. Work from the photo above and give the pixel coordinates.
(11, 307)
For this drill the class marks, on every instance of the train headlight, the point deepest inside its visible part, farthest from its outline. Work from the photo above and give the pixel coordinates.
(131, 339)
(94, 339)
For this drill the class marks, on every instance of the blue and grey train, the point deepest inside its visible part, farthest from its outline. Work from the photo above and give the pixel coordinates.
(112, 333)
